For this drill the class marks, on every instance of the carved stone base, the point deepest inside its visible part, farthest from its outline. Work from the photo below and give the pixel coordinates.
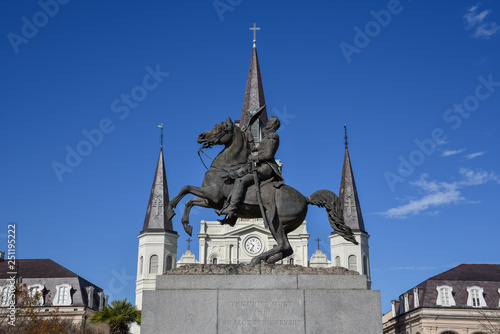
(270, 302)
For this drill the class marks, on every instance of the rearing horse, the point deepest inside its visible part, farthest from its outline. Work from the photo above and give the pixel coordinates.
(285, 207)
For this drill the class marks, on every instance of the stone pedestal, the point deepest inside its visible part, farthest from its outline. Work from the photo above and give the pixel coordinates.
(263, 303)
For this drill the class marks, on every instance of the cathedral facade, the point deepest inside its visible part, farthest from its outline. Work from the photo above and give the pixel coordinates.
(223, 244)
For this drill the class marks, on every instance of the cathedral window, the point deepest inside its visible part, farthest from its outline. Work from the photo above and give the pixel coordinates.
(291, 261)
(63, 295)
(337, 261)
(445, 296)
(153, 264)
(365, 266)
(214, 260)
(169, 263)
(475, 298)
(35, 293)
(141, 263)
(352, 263)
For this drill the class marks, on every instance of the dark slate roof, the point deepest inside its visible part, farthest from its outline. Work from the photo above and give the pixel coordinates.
(471, 272)
(348, 195)
(254, 93)
(36, 268)
(486, 276)
(50, 274)
(156, 214)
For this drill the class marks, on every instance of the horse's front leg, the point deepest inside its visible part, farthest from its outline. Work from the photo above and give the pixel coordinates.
(189, 204)
(204, 193)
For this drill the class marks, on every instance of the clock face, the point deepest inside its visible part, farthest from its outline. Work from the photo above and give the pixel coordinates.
(253, 245)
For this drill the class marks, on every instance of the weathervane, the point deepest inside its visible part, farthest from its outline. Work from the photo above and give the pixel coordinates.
(254, 28)
(161, 138)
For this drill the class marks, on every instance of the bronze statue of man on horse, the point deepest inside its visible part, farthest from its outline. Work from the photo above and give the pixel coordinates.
(243, 181)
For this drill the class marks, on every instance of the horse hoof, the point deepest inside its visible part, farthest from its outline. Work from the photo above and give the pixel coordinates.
(189, 229)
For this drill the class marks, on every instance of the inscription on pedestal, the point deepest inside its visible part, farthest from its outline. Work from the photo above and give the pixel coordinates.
(270, 312)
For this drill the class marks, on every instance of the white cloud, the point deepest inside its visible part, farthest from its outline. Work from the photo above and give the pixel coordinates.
(440, 193)
(412, 268)
(474, 155)
(471, 178)
(451, 152)
(475, 20)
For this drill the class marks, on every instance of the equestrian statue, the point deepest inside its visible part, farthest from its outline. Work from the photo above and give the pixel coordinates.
(244, 181)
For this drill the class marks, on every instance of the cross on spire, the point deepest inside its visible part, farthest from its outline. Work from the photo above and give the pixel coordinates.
(318, 240)
(254, 28)
(189, 243)
(161, 138)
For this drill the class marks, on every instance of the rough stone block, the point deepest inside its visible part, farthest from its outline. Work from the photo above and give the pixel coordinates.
(179, 311)
(277, 304)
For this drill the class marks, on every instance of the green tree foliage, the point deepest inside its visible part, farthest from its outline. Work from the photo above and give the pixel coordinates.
(119, 316)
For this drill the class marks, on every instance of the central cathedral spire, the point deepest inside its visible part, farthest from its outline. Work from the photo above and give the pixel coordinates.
(254, 95)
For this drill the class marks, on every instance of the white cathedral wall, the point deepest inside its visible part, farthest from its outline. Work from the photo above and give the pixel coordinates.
(161, 244)
(344, 249)
(227, 243)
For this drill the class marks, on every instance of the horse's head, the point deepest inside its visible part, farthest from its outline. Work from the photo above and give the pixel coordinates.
(221, 134)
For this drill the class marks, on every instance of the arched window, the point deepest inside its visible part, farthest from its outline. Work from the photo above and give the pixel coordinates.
(169, 263)
(214, 260)
(63, 295)
(5, 297)
(445, 296)
(448, 332)
(337, 261)
(291, 261)
(141, 261)
(35, 293)
(475, 298)
(365, 266)
(153, 264)
(352, 263)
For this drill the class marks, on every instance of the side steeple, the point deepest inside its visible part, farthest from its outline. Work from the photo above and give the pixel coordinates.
(156, 215)
(349, 195)
(254, 95)
(346, 254)
(157, 250)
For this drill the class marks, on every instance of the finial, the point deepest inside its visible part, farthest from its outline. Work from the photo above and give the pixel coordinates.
(161, 138)
(318, 240)
(189, 243)
(255, 28)
(345, 130)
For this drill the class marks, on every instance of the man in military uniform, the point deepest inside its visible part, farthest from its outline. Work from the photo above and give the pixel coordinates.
(263, 161)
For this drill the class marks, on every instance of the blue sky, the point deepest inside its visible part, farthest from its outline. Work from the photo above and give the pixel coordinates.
(416, 82)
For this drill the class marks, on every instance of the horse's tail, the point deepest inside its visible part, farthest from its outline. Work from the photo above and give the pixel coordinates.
(328, 200)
